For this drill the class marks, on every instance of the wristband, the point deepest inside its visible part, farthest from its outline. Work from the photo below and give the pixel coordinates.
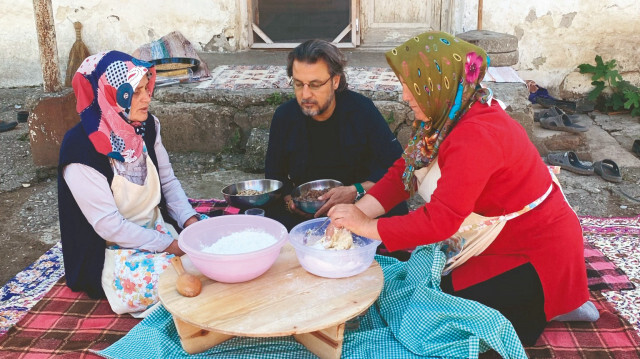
(360, 189)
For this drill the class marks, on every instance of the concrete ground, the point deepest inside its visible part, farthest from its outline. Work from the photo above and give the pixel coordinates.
(28, 194)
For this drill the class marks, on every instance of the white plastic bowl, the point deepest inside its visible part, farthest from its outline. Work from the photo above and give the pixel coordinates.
(331, 263)
(231, 268)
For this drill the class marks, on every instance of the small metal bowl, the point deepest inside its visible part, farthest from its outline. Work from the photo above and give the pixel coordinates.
(318, 185)
(271, 189)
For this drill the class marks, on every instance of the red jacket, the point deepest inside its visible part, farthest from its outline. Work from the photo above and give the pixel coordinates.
(490, 167)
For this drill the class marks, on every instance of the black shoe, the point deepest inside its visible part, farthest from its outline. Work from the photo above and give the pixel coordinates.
(4, 126)
(636, 148)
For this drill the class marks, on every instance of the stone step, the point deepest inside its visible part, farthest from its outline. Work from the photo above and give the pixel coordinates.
(492, 42)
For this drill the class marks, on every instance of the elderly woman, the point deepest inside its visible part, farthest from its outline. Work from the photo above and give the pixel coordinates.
(511, 240)
(117, 193)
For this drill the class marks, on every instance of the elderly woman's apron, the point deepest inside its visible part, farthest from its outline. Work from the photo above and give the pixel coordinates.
(130, 276)
(476, 232)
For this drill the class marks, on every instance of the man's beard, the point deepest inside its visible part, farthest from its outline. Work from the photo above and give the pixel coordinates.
(320, 110)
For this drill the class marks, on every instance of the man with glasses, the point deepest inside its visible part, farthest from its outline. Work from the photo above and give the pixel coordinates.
(327, 132)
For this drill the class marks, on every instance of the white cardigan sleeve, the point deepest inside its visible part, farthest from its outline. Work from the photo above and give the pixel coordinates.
(91, 191)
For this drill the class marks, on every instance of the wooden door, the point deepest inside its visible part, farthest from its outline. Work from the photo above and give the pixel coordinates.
(388, 23)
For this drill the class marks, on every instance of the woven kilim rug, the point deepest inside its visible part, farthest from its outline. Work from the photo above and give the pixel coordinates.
(239, 77)
(619, 240)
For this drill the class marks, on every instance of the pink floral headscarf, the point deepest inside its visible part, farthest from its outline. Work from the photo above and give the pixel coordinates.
(443, 73)
(104, 85)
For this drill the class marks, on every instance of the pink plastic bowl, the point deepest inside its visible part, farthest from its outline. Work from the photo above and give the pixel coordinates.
(231, 268)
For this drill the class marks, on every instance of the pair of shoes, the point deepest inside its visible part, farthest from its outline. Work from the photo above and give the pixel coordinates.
(4, 126)
(570, 162)
(562, 123)
(636, 148)
(608, 170)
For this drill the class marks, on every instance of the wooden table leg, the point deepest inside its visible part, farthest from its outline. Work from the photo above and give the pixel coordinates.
(325, 343)
(196, 340)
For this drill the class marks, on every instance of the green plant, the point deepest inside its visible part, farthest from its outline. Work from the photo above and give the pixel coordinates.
(278, 98)
(390, 119)
(621, 95)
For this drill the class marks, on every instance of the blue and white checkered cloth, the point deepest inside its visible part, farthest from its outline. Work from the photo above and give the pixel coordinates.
(411, 319)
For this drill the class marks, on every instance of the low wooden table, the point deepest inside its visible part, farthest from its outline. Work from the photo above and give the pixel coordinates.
(286, 300)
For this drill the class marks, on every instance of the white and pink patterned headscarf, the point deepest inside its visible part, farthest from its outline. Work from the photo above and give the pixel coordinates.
(104, 85)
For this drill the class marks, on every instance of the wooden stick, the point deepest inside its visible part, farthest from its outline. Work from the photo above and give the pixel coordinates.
(479, 14)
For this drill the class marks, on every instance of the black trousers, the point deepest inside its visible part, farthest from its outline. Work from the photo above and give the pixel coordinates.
(517, 294)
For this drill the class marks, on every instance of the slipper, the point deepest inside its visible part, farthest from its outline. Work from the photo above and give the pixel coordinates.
(555, 111)
(562, 123)
(570, 162)
(636, 148)
(608, 170)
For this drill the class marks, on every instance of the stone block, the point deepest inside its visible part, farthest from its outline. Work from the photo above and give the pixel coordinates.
(256, 150)
(492, 42)
(395, 113)
(404, 134)
(198, 127)
(499, 59)
(516, 97)
(50, 119)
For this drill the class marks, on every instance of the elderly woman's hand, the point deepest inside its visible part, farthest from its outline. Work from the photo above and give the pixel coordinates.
(193, 219)
(174, 249)
(349, 216)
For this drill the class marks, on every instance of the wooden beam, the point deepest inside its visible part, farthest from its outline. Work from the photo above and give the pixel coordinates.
(342, 34)
(261, 33)
(45, 27)
(479, 14)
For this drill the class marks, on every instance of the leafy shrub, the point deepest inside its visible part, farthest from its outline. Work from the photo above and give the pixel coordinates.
(622, 95)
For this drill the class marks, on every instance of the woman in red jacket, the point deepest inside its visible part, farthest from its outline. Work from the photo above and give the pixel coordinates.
(512, 241)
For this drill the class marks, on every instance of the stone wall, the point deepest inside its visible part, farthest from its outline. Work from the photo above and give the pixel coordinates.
(215, 121)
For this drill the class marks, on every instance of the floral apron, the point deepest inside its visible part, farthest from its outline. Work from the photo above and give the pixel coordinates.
(476, 232)
(130, 276)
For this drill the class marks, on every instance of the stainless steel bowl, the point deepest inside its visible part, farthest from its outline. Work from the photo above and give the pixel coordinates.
(271, 189)
(312, 206)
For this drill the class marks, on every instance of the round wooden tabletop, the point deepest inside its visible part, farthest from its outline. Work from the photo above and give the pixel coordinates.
(283, 301)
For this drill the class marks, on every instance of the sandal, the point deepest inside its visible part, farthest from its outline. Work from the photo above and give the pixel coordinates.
(555, 111)
(569, 161)
(561, 123)
(608, 170)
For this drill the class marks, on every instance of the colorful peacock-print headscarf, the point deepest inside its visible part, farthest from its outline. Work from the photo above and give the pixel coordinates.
(104, 85)
(443, 73)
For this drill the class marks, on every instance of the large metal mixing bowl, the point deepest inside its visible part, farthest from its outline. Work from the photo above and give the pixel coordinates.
(271, 190)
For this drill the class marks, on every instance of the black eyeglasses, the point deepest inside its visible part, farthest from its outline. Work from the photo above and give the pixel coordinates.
(313, 85)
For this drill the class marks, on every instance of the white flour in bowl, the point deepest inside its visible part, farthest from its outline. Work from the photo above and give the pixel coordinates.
(248, 240)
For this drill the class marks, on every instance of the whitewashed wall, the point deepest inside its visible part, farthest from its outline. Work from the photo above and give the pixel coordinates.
(109, 25)
(555, 36)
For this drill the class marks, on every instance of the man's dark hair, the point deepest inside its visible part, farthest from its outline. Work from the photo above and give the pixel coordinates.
(311, 51)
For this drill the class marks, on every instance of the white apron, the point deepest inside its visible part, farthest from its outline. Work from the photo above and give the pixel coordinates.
(130, 276)
(476, 232)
